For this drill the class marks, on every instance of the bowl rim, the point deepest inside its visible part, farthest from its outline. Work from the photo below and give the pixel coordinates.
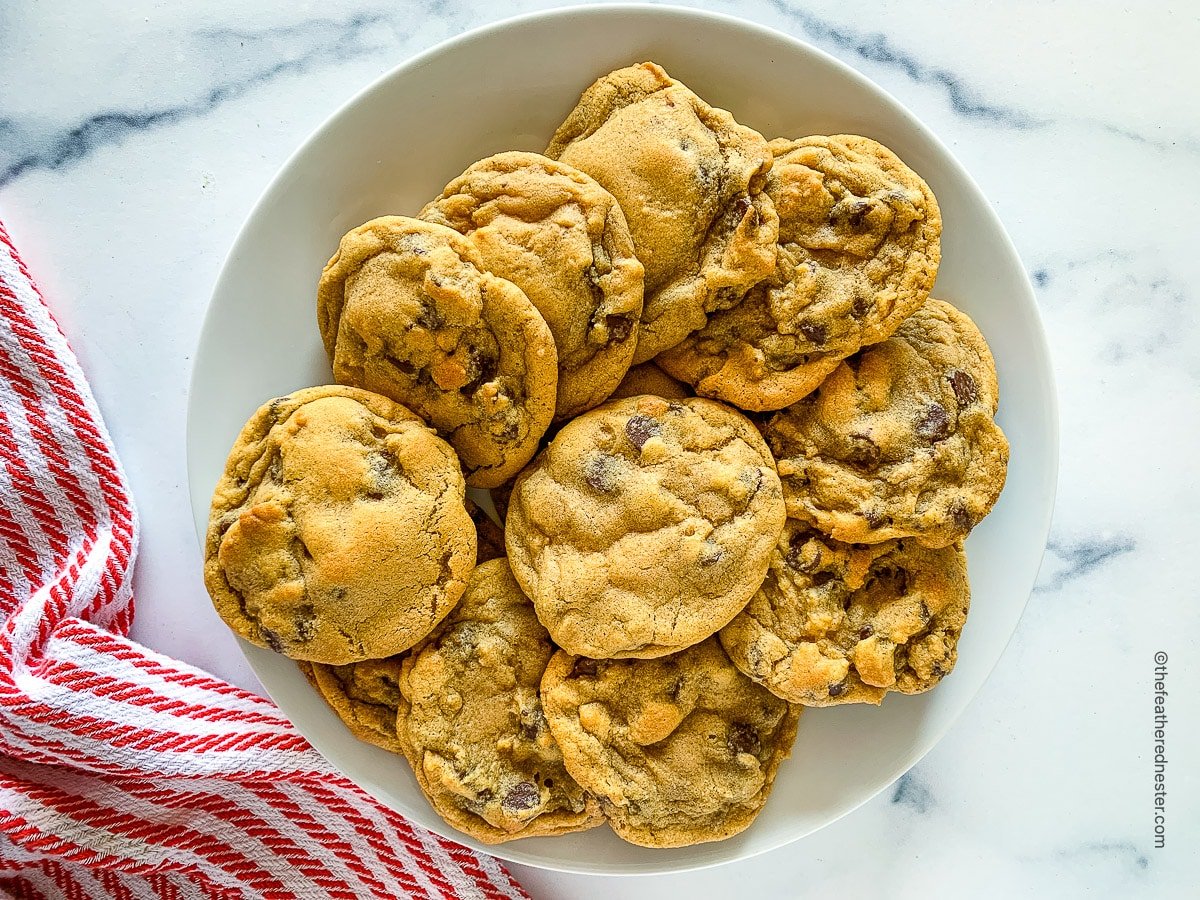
(840, 69)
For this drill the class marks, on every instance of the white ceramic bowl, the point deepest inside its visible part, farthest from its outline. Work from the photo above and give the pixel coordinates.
(506, 87)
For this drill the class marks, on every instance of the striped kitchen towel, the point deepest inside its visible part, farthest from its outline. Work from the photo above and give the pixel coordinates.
(124, 773)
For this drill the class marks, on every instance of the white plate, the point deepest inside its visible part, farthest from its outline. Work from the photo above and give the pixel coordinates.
(507, 87)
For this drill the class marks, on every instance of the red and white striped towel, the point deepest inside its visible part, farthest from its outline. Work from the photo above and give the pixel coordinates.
(124, 773)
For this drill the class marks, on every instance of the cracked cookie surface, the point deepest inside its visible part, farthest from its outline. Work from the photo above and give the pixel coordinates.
(690, 180)
(859, 247)
(365, 696)
(406, 309)
(645, 525)
(475, 731)
(900, 440)
(681, 749)
(556, 234)
(338, 530)
(845, 623)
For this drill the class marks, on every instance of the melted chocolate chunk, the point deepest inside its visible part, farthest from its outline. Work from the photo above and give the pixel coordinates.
(865, 632)
(964, 388)
(522, 795)
(584, 668)
(814, 331)
(822, 578)
(743, 738)
(836, 690)
(934, 425)
(619, 328)
(640, 429)
(864, 453)
(600, 472)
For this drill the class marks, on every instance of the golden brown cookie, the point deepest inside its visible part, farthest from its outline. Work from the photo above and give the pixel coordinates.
(899, 441)
(366, 697)
(561, 238)
(645, 526)
(338, 531)
(475, 731)
(681, 749)
(407, 309)
(859, 246)
(650, 379)
(690, 180)
(846, 623)
(489, 537)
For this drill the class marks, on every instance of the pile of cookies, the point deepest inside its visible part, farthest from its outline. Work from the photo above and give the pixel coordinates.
(734, 446)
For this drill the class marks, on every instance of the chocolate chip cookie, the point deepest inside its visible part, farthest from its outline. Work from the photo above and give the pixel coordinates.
(899, 441)
(650, 379)
(682, 749)
(407, 309)
(338, 531)
(859, 247)
(690, 180)
(846, 623)
(366, 697)
(561, 238)
(475, 733)
(645, 526)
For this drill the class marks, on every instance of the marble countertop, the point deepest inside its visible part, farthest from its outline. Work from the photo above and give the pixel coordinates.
(136, 135)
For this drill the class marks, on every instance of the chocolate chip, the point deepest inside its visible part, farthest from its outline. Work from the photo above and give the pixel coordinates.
(273, 640)
(938, 671)
(934, 425)
(619, 328)
(640, 429)
(529, 730)
(859, 307)
(836, 690)
(712, 554)
(584, 668)
(865, 632)
(523, 795)
(674, 690)
(481, 368)
(926, 615)
(963, 384)
(858, 212)
(743, 738)
(401, 365)
(275, 469)
(484, 795)
(820, 579)
(874, 518)
(795, 554)
(864, 453)
(741, 206)
(961, 516)
(600, 472)
(430, 317)
(814, 331)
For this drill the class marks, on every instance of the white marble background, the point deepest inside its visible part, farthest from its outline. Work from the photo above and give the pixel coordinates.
(135, 135)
